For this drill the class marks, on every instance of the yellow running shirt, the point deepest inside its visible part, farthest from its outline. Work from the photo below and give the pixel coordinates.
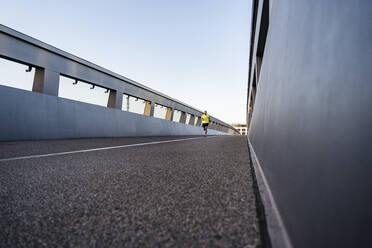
(205, 118)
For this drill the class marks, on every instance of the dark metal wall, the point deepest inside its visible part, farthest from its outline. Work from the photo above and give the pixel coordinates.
(311, 117)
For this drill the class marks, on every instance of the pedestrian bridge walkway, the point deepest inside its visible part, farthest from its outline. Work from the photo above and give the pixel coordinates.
(175, 191)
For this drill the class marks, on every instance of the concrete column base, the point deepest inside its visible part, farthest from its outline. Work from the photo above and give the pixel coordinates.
(115, 99)
(149, 108)
(169, 114)
(183, 117)
(192, 120)
(46, 82)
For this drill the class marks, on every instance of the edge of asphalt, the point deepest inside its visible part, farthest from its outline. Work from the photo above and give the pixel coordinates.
(272, 229)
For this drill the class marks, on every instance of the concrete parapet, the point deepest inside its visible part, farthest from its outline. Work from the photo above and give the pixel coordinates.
(29, 115)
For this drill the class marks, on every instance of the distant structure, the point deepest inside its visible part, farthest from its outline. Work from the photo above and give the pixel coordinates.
(309, 117)
(242, 128)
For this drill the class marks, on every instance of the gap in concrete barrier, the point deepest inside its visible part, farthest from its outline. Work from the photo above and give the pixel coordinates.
(160, 111)
(14, 75)
(176, 116)
(83, 92)
(188, 117)
(195, 120)
(133, 104)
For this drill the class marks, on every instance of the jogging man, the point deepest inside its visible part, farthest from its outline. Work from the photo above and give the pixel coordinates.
(205, 121)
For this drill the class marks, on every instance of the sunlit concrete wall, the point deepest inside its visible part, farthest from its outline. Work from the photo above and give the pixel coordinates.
(309, 108)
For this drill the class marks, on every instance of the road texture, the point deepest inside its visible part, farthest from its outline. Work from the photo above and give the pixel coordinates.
(190, 193)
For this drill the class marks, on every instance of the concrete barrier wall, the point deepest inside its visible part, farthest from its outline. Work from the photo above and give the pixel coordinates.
(29, 115)
(312, 119)
(50, 63)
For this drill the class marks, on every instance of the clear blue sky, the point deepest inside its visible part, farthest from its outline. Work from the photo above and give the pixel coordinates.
(193, 50)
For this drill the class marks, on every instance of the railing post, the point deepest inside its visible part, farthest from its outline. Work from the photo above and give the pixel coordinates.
(183, 117)
(169, 114)
(192, 120)
(46, 81)
(115, 99)
(149, 108)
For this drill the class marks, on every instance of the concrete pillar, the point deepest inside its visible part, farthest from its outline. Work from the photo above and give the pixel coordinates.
(169, 115)
(183, 117)
(115, 99)
(46, 81)
(192, 120)
(198, 122)
(149, 108)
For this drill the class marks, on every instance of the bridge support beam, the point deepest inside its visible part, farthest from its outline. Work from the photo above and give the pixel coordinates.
(169, 114)
(149, 108)
(46, 81)
(115, 99)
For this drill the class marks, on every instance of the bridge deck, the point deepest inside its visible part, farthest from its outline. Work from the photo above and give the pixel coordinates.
(188, 193)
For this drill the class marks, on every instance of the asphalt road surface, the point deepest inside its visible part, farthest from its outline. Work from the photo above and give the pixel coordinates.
(180, 192)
